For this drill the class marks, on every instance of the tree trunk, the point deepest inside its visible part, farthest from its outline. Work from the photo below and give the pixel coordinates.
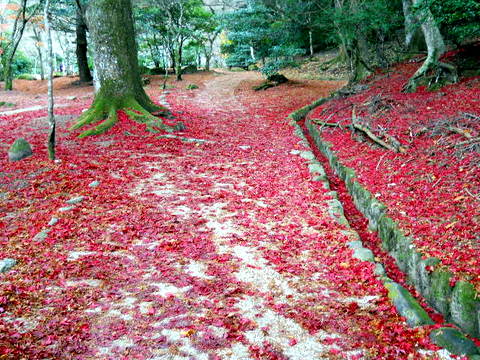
(179, 62)
(51, 116)
(310, 39)
(436, 48)
(40, 59)
(8, 76)
(414, 39)
(358, 68)
(81, 50)
(207, 61)
(38, 39)
(116, 64)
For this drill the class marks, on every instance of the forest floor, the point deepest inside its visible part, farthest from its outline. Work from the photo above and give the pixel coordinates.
(211, 244)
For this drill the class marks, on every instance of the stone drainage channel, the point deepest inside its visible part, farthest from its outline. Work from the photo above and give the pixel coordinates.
(407, 306)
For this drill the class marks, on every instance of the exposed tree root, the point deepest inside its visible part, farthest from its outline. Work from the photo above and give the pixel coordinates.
(393, 144)
(105, 111)
(443, 73)
(356, 125)
(463, 132)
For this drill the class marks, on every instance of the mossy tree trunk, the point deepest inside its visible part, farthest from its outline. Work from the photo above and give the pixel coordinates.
(8, 76)
(110, 23)
(435, 47)
(353, 45)
(414, 40)
(81, 48)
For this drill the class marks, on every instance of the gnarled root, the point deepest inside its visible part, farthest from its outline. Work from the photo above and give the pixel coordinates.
(441, 74)
(105, 110)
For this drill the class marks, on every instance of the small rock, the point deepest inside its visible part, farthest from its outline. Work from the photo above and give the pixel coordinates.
(407, 306)
(316, 169)
(19, 150)
(295, 152)
(245, 147)
(66, 208)
(71, 98)
(307, 155)
(94, 184)
(76, 200)
(363, 254)
(454, 341)
(53, 221)
(42, 235)
(355, 245)
(7, 265)
(379, 270)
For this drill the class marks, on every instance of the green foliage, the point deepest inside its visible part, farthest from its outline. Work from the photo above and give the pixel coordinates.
(174, 31)
(375, 20)
(280, 58)
(21, 64)
(256, 33)
(26, 77)
(459, 19)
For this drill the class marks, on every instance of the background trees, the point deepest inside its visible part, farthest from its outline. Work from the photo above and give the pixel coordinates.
(266, 34)
(14, 18)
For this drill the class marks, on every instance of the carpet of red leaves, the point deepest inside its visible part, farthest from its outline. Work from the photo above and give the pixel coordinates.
(277, 282)
(432, 190)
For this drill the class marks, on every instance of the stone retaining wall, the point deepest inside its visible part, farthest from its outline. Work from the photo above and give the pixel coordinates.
(459, 304)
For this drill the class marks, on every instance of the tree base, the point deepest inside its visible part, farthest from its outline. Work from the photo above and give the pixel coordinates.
(432, 74)
(104, 111)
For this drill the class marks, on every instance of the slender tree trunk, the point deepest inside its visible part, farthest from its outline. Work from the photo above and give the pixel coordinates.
(116, 63)
(179, 61)
(208, 58)
(81, 50)
(173, 59)
(40, 59)
(51, 116)
(310, 39)
(38, 39)
(252, 53)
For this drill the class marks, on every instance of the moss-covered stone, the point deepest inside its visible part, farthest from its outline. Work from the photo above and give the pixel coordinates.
(413, 269)
(386, 227)
(425, 275)
(464, 307)
(375, 210)
(335, 210)
(454, 341)
(380, 270)
(407, 306)
(363, 254)
(307, 155)
(403, 250)
(7, 265)
(192, 87)
(19, 150)
(317, 169)
(440, 291)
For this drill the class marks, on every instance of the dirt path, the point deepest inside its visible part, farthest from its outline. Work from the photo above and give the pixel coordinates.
(224, 249)
(246, 275)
